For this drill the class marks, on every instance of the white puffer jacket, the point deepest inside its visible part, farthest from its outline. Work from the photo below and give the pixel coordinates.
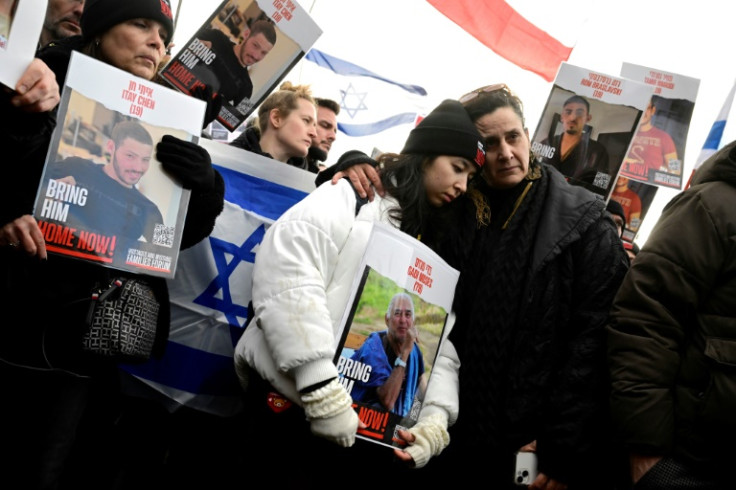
(303, 274)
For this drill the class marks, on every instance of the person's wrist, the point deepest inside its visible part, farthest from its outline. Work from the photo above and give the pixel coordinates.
(399, 362)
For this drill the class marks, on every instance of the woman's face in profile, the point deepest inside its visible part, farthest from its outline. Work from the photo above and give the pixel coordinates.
(507, 147)
(136, 46)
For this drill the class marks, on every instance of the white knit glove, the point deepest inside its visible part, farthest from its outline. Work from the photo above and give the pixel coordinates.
(330, 412)
(431, 437)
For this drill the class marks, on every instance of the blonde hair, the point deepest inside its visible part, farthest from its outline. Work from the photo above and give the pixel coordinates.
(285, 100)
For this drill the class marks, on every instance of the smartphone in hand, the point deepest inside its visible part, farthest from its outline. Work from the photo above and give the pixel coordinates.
(525, 471)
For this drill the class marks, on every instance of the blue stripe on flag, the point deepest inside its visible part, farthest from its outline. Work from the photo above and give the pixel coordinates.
(342, 67)
(713, 141)
(263, 197)
(192, 370)
(378, 126)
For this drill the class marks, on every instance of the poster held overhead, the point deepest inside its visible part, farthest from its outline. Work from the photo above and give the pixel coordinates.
(243, 51)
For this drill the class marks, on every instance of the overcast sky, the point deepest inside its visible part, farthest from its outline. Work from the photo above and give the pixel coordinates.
(410, 41)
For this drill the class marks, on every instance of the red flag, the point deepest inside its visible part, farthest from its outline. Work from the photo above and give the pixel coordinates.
(505, 31)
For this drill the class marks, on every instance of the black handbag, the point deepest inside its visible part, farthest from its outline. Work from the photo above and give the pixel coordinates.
(122, 321)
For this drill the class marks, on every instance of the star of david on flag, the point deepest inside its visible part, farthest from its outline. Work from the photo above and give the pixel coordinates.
(369, 103)
(212, 287)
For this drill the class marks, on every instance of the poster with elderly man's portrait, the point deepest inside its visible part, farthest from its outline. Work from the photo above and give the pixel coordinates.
(392, 332)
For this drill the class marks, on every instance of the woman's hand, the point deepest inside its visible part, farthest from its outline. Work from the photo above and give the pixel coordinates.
(24, 234)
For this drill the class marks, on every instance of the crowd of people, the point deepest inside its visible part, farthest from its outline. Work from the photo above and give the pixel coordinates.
(613, 372)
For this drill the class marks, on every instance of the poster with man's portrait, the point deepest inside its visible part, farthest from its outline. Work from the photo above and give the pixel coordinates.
(587, 125)
(103, 196)
(658, 148)
(393, 329)
(242, 52)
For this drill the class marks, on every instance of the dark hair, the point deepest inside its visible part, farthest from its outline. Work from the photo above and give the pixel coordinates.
(576, 99)
(402, 176)
(328, 104)
(264, 27)
(130, 129)
(488, 102)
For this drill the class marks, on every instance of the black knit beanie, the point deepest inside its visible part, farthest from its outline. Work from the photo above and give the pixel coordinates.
(100, 15)
(614, 207)
(447, 130)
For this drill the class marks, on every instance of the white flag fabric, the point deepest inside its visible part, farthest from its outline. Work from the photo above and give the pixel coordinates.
(369, 103)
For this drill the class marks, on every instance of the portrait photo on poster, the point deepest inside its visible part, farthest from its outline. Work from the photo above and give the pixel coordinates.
(584, 138)
(391, 335)
(104, 191)
(242, 52)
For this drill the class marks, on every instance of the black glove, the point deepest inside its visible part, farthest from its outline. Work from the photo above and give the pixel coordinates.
(213, 100)
(317, 153)
(187, 162)
(347, 160)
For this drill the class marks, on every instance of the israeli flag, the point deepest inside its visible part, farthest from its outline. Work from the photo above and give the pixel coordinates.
(713, 141)
(212, 287)
(369, 103)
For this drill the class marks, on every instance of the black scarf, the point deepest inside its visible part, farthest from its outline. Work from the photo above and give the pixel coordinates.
(488, 301)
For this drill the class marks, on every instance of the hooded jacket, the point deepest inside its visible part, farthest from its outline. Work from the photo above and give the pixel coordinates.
(672, 335)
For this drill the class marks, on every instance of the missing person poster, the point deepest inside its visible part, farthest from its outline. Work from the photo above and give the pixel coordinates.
(242, 52)
(587, 126)
(103, 195)
(392, 332)
(658, 148)
(20, 28)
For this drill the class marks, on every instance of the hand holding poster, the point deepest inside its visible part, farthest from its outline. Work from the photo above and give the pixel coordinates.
(103, 196)
(587, 125)
(392, 331)
(20, 28)
(242, 52)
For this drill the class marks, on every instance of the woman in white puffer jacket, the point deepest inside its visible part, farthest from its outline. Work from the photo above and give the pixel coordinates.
(303, 273)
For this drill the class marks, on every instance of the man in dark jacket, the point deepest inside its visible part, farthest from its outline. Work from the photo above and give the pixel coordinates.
(672, 339)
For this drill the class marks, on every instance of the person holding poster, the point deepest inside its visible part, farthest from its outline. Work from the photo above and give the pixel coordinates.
(224, 65)
(397, 373)
(539, 262)
(66, 403)
(303, 271)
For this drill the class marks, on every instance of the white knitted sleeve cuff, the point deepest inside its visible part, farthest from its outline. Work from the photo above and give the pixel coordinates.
(431, 438)
(328, 401)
